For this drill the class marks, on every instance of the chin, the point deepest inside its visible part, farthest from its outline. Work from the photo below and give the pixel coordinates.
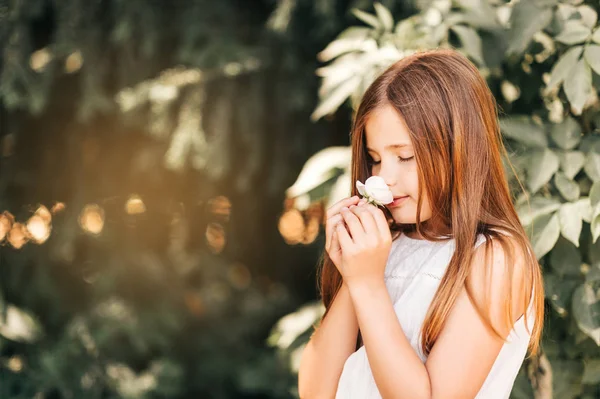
(406, 216)
(401, 218)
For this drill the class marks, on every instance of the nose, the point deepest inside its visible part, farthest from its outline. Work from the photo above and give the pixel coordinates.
(388, 174)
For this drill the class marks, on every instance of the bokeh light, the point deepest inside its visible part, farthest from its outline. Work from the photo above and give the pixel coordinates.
(74, 62)
(239, 276)
(135, 205)
(6, 222)
(39, 59)
(44, 214)
(58, 207)
(91, 219)
(215, 236)
(291, 226)
(38, 229)
(15, 364)
(220, 206)
(18, 235)
(194, 303)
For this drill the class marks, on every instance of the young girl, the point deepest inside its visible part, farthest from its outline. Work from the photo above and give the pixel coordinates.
(416, 306)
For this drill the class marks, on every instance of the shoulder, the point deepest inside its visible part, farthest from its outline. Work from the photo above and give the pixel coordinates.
(499, 281)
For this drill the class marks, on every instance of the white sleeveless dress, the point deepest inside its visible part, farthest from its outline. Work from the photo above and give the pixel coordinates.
(412, 275)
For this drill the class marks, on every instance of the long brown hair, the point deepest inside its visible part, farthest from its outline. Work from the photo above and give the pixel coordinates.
(453, 123)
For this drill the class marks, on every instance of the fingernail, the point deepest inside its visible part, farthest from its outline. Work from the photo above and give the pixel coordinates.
(345, 208)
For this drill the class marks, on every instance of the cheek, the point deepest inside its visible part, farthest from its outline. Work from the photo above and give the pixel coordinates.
(411, 181)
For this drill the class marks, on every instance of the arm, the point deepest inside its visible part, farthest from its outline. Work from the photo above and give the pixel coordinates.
(466, 349)
(325, 354)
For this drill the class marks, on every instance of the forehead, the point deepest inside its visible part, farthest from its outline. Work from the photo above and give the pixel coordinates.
(386, 127)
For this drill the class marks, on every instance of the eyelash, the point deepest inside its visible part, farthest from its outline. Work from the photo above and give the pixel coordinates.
(371, 162)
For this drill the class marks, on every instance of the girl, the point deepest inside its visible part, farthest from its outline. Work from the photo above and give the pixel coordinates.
(416, 306)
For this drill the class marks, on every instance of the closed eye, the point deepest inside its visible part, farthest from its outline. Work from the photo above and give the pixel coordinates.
(405, 159)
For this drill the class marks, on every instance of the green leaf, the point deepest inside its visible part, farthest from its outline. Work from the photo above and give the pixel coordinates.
(594, 253)
(320, 168)
(542, 166)
(589, 16)
(19, 325)
(336, 98)
(354, 38)
(578, 86)
(545, 233)
(544, 3)
(571, 222)
(478, 14)
(471, 42)
(385, 17)
(537, 206)
(522, 129)
(367, 18)
(592, 56)
(596, 35)
(567, 187)
(593, 274)
(591, 371)
(526, 20)
(559, 291)
(573, 32)
(566, 134)
(585, 209)
(595, 195)
(571, 162)
(586, 311)
(565, 259)
(592, 166)
(595, 227)
(566, 378)
(564, 66)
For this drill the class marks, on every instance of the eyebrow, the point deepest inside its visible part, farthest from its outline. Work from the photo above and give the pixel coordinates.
(391, 146)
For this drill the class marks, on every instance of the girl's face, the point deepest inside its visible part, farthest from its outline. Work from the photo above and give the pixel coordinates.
(391, 156)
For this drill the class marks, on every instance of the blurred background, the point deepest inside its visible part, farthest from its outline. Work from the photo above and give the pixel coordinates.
(165, 166)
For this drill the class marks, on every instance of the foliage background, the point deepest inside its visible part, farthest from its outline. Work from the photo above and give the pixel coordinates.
(160, 214)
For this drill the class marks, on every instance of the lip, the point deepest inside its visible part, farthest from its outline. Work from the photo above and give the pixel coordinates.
(398, 201)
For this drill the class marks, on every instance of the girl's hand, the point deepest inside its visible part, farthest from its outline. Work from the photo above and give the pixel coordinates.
(365, 243)
(332, 245)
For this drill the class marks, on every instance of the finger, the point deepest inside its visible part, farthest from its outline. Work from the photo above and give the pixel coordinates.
(335, 243)
(367, 220)
(355, 228)
(380, 220)
(330, 228)
(343, 237)
(346, 202)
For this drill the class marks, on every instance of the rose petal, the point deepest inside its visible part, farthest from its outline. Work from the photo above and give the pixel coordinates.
(388, 198)
(379, 190)
(361, 188)
(375, 182)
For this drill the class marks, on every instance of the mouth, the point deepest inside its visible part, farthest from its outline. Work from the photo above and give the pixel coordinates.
(398, 201)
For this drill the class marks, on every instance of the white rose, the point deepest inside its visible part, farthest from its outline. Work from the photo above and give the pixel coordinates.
(375, 191)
